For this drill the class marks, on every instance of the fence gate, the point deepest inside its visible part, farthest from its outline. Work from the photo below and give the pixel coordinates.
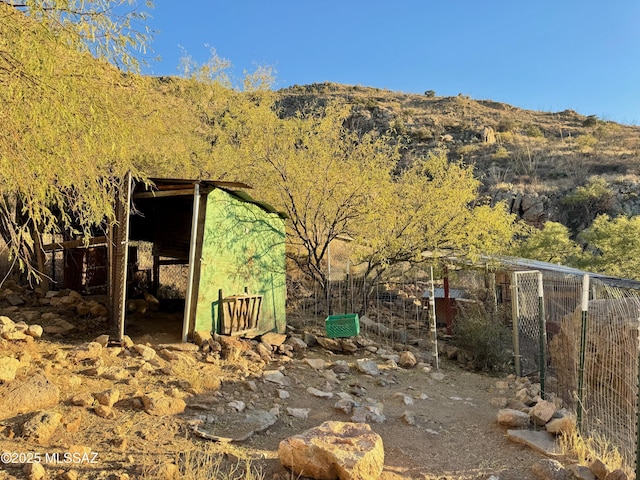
(529, 324)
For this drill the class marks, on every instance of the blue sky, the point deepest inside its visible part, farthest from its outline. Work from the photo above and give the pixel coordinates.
(541, 55)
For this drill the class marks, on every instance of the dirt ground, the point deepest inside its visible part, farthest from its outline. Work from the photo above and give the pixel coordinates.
(453, 433)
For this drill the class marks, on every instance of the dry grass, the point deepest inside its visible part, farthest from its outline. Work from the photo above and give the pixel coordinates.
(585, 450)
(216, 461)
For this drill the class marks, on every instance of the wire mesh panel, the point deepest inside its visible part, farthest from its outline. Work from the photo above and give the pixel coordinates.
(526, 319)
(593, 354)
(610, 394)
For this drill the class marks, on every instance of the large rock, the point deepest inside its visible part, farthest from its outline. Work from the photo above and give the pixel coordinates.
(8, 368)
(334, 451)
(41, 426)
(159, 404)
(33, 393)
(512, 418)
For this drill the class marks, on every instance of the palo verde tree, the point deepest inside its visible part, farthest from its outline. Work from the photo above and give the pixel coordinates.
(430, 210)
(612, 246)
(323, 176)
(73, 123)
(552, 243)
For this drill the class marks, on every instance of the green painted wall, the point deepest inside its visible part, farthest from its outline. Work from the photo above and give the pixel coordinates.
(243, 246)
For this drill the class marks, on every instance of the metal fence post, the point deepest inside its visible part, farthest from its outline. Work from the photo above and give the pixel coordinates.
(543, 334)
(583, 342)
(515, 321)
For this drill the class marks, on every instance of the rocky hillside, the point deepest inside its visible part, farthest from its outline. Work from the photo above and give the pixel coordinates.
(535, 161)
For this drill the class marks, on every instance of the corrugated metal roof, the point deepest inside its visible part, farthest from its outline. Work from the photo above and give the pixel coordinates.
(180, 186)
(526, 263)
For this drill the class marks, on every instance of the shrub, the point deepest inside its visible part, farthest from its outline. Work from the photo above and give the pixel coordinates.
(532, 130)
(430, 93)
(485, 336)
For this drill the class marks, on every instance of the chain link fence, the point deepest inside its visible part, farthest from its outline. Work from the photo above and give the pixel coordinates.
(577, 335)
(586, 352)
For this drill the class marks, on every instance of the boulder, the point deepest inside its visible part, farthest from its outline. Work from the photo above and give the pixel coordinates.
(334, 450)
(159, 404)
(33, 393)
(41, 426)
(8, 368)
(542, 412)
(512, 418)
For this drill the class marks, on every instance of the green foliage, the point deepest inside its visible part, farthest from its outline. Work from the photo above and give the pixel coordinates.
(590, 121)
(532, 130)
(486, 337)
(73, 125)
(586, 143)
(501, 153)
(587, 201)
(612, 246)
(552, 244)
(429, 208)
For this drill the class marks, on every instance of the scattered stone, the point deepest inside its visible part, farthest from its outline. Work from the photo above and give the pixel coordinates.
(108, 397)
(437, 375)
(8, 368)
(540, 441)
(247, 425)
(103, 340)
(145, 352)
(34, 471)
(158, 404)
(275, 376)
(58, 326)
(340, 366)
(319, 393)
(502, 385)
(283, 394)
(617, 475)
(35, 392)
(512, 418)
(563, 422)
(34, 331)
(368, 367)
(83, 400)
(500, 402)
(368, 413)
(202, 337)
(408, 417)
(297, 344)
(273, 339)
(599, 469)
(549, 469)
(580, 472)
(104, 411)
(40, 427)
(237, 405)
(302, 413)
(542, 412)
(334, 450)
(407, 360)
(346, 405)
(315, 363)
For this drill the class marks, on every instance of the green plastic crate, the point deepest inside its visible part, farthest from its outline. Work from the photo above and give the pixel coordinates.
(347, 325)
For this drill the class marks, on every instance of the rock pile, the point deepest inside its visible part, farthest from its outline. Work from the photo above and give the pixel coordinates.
(537, 423)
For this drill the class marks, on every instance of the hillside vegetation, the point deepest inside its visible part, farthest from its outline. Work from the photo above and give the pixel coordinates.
(543, 156)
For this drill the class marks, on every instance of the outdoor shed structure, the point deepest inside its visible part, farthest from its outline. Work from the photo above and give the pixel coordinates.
(225, 247)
